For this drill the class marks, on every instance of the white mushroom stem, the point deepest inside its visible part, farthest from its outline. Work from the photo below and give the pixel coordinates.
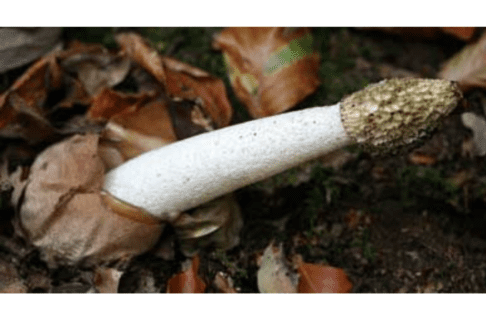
(190, 172)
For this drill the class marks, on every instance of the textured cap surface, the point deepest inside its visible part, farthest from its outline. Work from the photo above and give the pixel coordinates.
(393, 113)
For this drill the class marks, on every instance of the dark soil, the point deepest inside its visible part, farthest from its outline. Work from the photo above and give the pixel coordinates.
(392, 224)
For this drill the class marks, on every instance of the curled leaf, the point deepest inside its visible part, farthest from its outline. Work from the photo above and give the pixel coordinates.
(468, 67)
(179, 79)
(217, 224)
(188, 280)
(270, 69)
(62, 211)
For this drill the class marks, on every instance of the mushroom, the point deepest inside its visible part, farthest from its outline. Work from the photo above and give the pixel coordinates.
(382, 117)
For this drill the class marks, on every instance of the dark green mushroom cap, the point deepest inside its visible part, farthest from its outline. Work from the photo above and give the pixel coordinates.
(393, 113)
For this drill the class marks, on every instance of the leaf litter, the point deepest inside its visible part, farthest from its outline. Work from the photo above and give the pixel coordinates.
(121, 126)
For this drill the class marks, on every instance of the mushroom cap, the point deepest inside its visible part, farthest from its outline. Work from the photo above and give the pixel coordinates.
(393, 113)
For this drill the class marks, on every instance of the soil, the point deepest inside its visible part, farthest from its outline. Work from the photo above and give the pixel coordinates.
(410, 222)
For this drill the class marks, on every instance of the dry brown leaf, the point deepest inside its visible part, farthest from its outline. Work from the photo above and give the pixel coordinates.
(106, 280)
(270, 69)
(109, 102)
(190, 83)
(180, 80)
(137, 129)
(317, 278)
(19, 46)
(422, 159)
(188, 280)
(21, 107)
(468, 67)
(274, 274)
(217, 224)
(139, 51)
(63, 212)
(96, 70)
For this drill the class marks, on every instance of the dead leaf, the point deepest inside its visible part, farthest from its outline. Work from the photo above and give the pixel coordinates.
(21, 107)
(188, 280)
(180, 80)
(139, 51)
(190, 83)
(270, 69)
(96, 70)
(109, 102)
(216, 223)
(63, 212)
(224, 283)
(144, 126)
(106, 280)
(468, 67)
(318, 278)
(478, 126)
(19, 46)
(274, 274)
(422, 159)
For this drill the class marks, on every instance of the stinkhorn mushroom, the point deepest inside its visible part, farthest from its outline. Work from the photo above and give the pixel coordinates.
(185, 174)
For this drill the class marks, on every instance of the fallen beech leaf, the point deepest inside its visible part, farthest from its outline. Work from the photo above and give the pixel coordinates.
(97, 70)
(108, 103)
(21, 107)
(217, 224)
(64, 214)
(179, 79)
(468, 67)
(421, 158)
(270, 69)
(224, 283)
(316, 278)
(478, 126)
(106, 280)
(274, 275)
(138, 50)
(190, 83)
(19, 46)
(144, 126)
(188, 280)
